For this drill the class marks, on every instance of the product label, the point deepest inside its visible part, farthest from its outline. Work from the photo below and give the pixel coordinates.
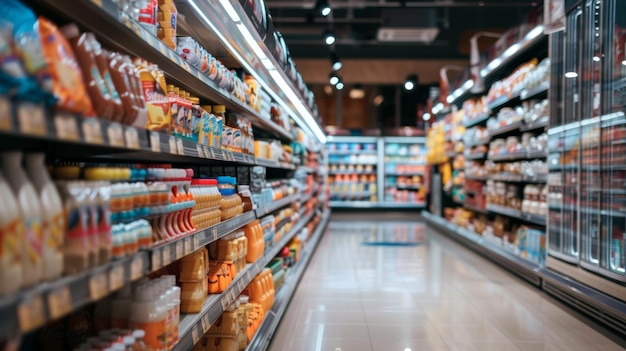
(77, 225)
(54, 231)
(95, 73)
(109, 82)
(34, 237)
(10, 239)
(155, 334)
(171, 325)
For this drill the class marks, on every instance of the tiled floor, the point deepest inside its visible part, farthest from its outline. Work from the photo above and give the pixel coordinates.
(422, 292)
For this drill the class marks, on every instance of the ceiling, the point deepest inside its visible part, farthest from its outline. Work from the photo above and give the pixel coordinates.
(357, 23)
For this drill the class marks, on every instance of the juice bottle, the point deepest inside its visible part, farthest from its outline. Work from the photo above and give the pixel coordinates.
(53, 219)
(12, 235)
(147, 315)
(28, 203)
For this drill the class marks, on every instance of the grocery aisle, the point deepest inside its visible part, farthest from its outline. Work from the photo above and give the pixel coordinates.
(419, 291)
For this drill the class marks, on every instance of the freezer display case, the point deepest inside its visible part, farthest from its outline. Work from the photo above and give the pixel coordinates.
(588, 146)
(405, 176)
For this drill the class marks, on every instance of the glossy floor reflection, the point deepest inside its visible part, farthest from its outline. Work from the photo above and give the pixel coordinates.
(427, 294)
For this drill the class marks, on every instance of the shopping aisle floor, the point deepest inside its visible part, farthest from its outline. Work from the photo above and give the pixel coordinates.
(419, 291)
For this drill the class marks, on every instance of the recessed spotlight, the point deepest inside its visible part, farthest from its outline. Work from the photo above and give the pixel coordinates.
(378, 100)
(329, 37)
(571, 74)
(333, 79)
(426, 116)
(339, 86)
(624, 62)
(323, 7)
(335, 61)
(410, 82)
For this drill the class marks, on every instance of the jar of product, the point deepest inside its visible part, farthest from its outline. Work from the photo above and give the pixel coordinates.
(231, 203)
(246, 197)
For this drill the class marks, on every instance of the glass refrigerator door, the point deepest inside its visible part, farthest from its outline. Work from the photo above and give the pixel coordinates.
(591, 192)
(565, 140)
(613, 123)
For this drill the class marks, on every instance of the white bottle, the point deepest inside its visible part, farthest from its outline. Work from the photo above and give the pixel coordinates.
(146, 314)
(176, 304)
(53, 219)
(28, 202)
(10, 242)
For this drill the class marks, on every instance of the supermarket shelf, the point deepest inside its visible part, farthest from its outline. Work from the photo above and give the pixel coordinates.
(477, 142)
(521, 155)
(505, 100)
(503, 177)
(403, 173)
(478, 178)
(350, 173)
(263, 336)
(528, 46)
(193, 326)
(354, 163)
(260, 212)
(475, 208)
(76, 138)
(541, 89)
(526, 217)
(32, 308)
(542, 123)
(476, 156)
(352, 152)
(104, 18)
(353, 204)
(391, 204)
(164, 254)
(525, 269)
(476, 121)
(505, 129)
(404, 187)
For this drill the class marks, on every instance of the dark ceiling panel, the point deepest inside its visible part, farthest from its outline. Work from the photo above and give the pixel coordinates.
(357, 22)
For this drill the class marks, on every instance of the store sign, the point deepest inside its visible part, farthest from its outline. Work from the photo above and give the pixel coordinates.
(554, 16)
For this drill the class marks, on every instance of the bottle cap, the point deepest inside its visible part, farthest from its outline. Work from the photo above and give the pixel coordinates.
(219, 109)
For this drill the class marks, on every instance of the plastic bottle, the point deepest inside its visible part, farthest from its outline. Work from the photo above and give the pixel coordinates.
(12, 235)
(28, 202)
(146, 314)
(53, 219)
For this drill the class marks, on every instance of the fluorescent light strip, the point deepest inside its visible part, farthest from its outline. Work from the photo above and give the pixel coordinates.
(511, 50)
(450, 99)
(253, 44)
(230, 10)
(317, 131)
(468, 84)
(535, 32)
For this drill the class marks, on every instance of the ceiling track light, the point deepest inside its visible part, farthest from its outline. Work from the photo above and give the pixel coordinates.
(329, 37)
(323, 7)
(339, 85)
(411, 82)
(335, 61)
(333, 79)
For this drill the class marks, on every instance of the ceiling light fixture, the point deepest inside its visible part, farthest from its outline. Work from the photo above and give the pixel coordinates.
(426, 116)
(357, 92)
(410, 82)
(335, 61)
(329, 37)
(323, 7)
(571, 74)
(339, 86)
(333, 79)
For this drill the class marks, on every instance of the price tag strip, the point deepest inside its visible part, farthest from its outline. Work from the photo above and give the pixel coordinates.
(30, 312)
(136, 268)
(59, 302)
(66, 127)
(92, 131)
(155, 142)
(115, 133)
(31, 118)
(131, 135)
(98, 286)
(116, 277)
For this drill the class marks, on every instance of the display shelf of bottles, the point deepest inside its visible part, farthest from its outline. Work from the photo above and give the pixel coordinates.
(193, 326)
(106, 19)
(505, 177)
(262, 338)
